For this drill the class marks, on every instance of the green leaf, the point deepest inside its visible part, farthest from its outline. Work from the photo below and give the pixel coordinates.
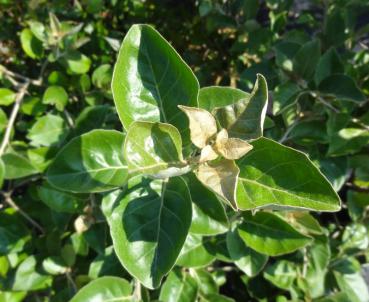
(17, 166)
(306, 59)
(245, 119)
(285, 96)
(272, 175)
(151, 79)
(75, 62)
(105, 289)
(150, 226)
(213, 97)
(319, 255)
(92, 162)
(7, 97)
(245, 258)
(269, 234)
(329, 63)
(206, 281)
(102, 76)
(208, 214)
(105, 264)
(196, 252)
(13, 234)
(2, 172)
(30, 44)
(152, 147)
(281, 273)
(342, 87)
(54, 266)
(48, 130)
(58, 201)
(351, 282)
(12, 296)
(27, 278)
(179, 287)
(57, 96)
(348, 141)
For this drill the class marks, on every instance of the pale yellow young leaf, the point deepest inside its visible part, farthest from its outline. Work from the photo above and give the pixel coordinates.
(207, 153)
(202, 125)
(231, 148)
(220, 177)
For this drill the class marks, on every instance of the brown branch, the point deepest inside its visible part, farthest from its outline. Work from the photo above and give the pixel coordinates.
(8, 200)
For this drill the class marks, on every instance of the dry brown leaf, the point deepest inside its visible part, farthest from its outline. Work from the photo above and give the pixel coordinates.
(220, 177)
(202, 125)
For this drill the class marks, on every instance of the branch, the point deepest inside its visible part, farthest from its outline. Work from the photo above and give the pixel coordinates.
(8, 199)
(18, 101)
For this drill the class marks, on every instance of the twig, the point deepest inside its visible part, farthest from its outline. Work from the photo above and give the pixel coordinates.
(288, 131)
(71, 281)
(323, 101)
(18, 101)
(137, 291)
(8, 199)
(13, 75)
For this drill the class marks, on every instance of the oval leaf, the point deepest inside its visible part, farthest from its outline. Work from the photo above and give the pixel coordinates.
(269, 234)
(105, 289)
(245, 119)
(92, 162)
(152, 147)
(272, 175)
(149, 228)
(150, 79)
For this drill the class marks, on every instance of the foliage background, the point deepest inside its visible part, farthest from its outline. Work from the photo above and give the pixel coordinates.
(314, 55)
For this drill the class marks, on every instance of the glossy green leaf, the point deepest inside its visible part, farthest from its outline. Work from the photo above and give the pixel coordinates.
(76, 62)
(150, 226)
(57, 96)
(319, 255)
(215, 298)
(59, 201)
(179, 287)
(329, 63)
(245, 119)
(106, 264)
(7, 97)
(17, 166)
(206, 281)
(245, 258)
(102, 76)
(92, 162)
(269, 234)
(48, 130)
(152, 147)
(151, 79)
(342, 87)
(105, 289)
(306, 59)
(13, 233)
(208, 214)
(213, 97)
(285, 96)
(281, 273)
(351, 282)
(30, 44)
(54, 266)
(6, 296)
(272, 175)
(348, 141)
(27, 278)
(196, 252)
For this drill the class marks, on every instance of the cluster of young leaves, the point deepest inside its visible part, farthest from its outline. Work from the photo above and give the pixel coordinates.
(194, 196)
